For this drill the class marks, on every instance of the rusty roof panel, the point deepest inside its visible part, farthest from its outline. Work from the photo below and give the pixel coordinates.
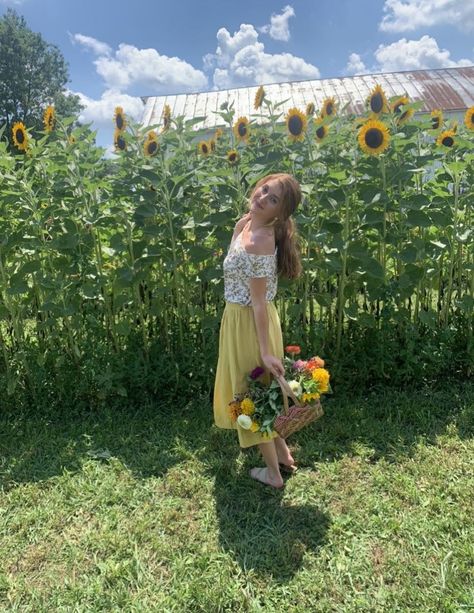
(448, 89)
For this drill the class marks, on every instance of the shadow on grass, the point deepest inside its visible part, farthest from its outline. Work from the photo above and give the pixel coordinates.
(149, 442)
(260, 529)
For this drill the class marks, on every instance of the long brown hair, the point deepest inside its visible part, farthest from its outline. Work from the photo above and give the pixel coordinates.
(286, 235)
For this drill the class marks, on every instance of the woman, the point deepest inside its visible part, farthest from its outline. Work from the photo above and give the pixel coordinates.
(264, 245)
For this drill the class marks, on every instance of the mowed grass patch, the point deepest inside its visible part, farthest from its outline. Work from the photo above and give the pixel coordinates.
(154, 511)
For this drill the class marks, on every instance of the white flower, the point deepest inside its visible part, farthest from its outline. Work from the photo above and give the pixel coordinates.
(295, 387)
(244, 421)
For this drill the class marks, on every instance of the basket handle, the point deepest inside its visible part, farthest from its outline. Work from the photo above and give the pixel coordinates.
(287, 392)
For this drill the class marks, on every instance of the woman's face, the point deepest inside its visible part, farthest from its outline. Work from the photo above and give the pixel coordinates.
(266, 201)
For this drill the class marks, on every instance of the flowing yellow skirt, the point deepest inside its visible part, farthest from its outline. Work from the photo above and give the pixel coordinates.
(239, 354)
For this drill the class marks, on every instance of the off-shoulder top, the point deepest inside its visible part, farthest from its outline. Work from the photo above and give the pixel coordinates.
(241, 266)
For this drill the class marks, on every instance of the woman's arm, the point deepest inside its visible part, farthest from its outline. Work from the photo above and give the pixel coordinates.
(258, 291)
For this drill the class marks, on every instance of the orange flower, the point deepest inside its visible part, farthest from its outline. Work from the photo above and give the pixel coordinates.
(234, 408)
(293, 349)
(315, 362)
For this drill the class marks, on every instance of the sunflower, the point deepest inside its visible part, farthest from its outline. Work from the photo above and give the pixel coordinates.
(49, 118)
(373, 137)
(151, 144)
(329, 108)
(377, 101)
(310, 109)
(232, 156)
(20, 136)
(119, 118)
(259, 96)
(203, 148)
(436, 119)
(321, 130)
(218, 133)
(241, 129)
(119, 140)
(402, 117)
(469, 118)
(446, 138)
(166, 117)
(399, 102)
(296, 123)
(212, 144)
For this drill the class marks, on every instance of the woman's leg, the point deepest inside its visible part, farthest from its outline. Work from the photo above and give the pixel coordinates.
(283, 453)
(271, 474)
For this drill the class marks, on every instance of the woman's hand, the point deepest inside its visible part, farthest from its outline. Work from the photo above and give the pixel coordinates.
(273, 364)
(239, 226)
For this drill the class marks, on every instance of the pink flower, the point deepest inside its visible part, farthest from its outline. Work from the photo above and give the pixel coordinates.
(299, 364)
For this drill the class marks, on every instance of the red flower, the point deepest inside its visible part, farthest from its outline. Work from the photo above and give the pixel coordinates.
(294, 349)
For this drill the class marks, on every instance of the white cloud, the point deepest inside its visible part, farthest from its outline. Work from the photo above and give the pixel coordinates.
(422, 54)
(149, 71)
(408, 15)
(278, 28)
(101, 112)
(240, 60)
(94, 45)
(355, 65)
(414, 55)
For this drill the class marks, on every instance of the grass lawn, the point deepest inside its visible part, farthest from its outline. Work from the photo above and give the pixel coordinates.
(154, 511)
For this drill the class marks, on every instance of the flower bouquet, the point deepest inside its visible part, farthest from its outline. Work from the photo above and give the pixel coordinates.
(259, 409)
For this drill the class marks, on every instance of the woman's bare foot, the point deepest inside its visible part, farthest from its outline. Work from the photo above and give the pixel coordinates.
(264, 476)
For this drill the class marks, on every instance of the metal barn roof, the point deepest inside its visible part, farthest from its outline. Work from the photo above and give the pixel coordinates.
(449, 89)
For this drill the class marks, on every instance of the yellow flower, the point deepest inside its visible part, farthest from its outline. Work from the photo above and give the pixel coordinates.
(119, 118)
(234, 409)
(203, 148)
(321, 130)
(374, 137)
(49, 118)
(296, 123)
(151, 144)
(321, 376)
(241, 129)
(308, 397)
(218, 133)
(248, 406)
(259, 96)
(20, 136)
(402, 117)
(166, 117)
(446, 138)
(232, 156)
(212, 144)
(469, 118)
(310, 109)
(377, 101)
(329, 108)
(436, 119)
(119, 140)
(255, 427)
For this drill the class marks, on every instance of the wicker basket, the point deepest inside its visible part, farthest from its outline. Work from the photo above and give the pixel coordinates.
(295, 417)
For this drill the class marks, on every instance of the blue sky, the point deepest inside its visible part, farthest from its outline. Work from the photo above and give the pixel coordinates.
(118, 51)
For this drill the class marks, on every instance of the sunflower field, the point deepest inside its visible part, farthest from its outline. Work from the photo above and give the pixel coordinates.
(111, 269)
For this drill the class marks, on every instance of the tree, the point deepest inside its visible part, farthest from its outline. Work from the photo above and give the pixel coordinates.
(33, 74)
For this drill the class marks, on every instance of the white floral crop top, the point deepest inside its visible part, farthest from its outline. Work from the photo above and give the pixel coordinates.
(240, 266)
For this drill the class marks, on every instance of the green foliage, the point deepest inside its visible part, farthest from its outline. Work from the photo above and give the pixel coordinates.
(113, 267)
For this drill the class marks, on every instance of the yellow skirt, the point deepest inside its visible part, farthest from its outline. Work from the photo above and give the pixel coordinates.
(239, 354)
